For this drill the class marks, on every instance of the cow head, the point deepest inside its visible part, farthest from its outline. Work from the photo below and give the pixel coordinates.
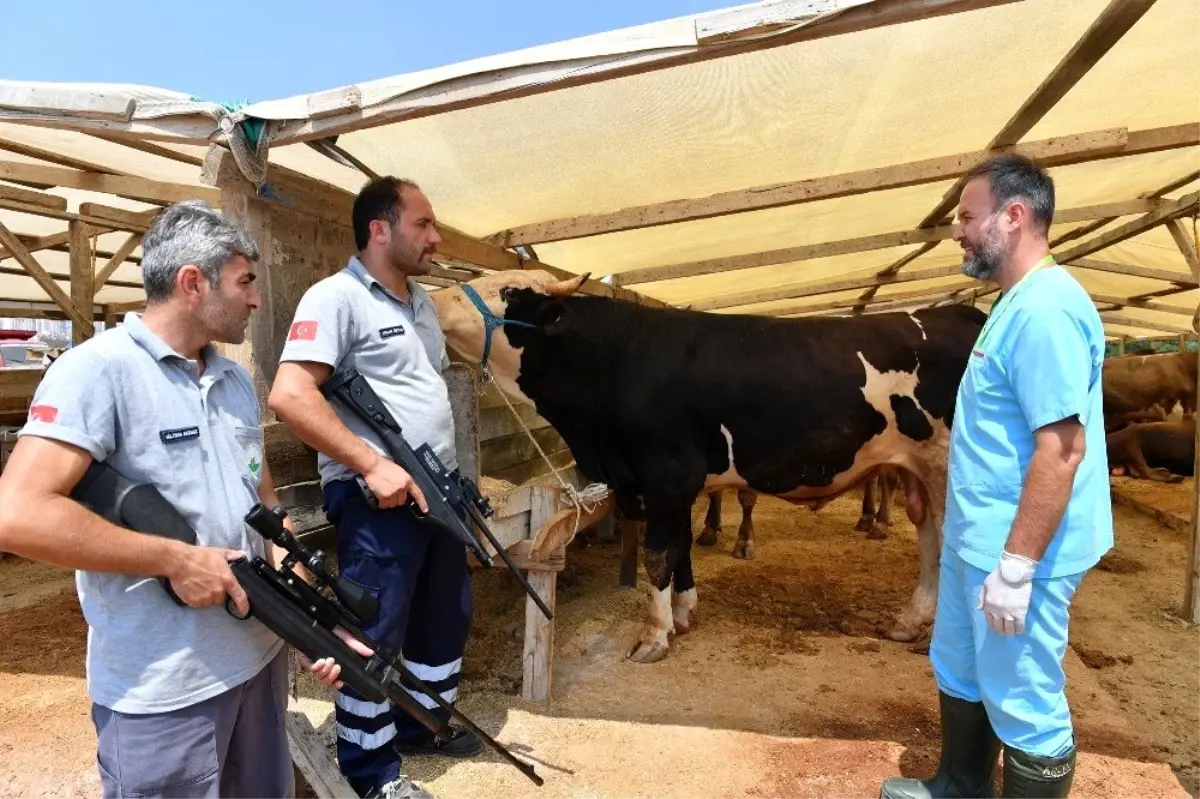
(516, 296)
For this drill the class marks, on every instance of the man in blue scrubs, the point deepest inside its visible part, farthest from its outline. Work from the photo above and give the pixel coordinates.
(1028, 510)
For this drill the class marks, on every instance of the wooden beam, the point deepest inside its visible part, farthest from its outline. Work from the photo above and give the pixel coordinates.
(20, 272)
(17, 383)
(1133, 321)
(138, 188)
(1087, 230)
(877, 241)
(83, 281)
(53, 157)
(1167, 211)
(1181, 278)
(36, 199)
(1113, 22)
(914, 294)
(1186, 241)
(119, 218)
(44, 280)
(1149, 305)
(117, 259)
(492, 86)
(1083, 146)
(813, 288)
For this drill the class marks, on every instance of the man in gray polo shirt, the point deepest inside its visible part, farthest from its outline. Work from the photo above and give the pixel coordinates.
(373, 316)
(187, 701)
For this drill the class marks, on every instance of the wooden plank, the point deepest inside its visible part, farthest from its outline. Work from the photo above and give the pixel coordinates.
(500, 453)
(8, 240)
(19, 382)
(119, 218)
(17, 270)
(1149, 305)
(36, 199)
(1171, 520)
(53, 157)
(534, 467)
(134, 187)
(764, 17)
(499, 421)
(1186, 241)
(925, 293)
(313, 759)
(83, 281)
(813, 288)
(1051, 152)
(124, 251)
(1105, 31)
(1133, 321)
(1167, 211)
(1181, 278)
(90, 104)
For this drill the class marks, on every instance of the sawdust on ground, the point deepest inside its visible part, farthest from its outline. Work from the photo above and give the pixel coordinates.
(783, 687)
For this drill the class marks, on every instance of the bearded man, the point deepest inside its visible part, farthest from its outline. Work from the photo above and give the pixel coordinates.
(1028, 511)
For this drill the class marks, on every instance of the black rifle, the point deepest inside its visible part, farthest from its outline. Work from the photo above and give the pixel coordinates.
(301, 614)
(445, 492)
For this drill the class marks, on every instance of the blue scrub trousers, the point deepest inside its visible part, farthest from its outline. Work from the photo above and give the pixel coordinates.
(1019, 678)
(421, 579)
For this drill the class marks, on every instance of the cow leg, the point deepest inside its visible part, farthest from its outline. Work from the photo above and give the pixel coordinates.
(866, 520)
(744, 548)
(712, 521)
(683, 596)
(925, 503)
(886, 484)
(668, 535)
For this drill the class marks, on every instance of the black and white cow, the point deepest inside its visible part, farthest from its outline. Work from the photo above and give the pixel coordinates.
(662, 403)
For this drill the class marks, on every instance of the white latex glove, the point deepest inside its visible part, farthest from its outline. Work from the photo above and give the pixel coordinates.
(1004, 598)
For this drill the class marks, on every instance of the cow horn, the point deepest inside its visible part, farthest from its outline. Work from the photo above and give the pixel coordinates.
(565, 288)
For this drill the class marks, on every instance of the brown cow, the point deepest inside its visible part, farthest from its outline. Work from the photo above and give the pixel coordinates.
(1161, 451)
(877, 504)
(1135, 383)
(744, 548)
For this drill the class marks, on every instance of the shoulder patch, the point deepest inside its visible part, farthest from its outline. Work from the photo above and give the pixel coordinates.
(303, 331)
(43, 413)
(394, 330)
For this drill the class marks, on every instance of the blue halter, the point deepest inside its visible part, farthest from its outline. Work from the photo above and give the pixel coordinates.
(490, 322)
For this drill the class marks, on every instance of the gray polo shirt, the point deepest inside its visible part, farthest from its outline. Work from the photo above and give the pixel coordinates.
(129, 399)
(350, 319)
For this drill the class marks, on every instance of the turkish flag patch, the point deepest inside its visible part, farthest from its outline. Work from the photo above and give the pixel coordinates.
(303, 331)
(42, 413)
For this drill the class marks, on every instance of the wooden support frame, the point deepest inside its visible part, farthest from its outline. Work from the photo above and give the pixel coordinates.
(812, 288)
(22, 256)
(83, 280)
(1180, 278)
(1169, 210)
(1186, 241)
(915, 295)
(124, 251)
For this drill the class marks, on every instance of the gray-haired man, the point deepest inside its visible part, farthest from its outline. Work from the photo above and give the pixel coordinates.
(187, 701)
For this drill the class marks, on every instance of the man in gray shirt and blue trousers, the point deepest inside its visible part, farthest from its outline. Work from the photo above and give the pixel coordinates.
(374, 317)
(187, 700)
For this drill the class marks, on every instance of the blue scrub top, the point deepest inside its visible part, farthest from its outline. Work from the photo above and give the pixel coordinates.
(1038, 361)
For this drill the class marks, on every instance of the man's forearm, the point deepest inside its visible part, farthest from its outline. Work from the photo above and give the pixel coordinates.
(1044, 500)
(309, 416)
(61, 532)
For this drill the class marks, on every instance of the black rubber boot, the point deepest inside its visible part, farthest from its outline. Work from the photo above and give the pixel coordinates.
(1033, 777)
(970, 750)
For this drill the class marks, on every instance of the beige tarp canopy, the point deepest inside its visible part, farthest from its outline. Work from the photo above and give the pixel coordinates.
(784, 157)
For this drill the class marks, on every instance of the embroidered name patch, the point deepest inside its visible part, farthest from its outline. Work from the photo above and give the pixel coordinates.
(394, 330)
(303, 331)
(179, 434)
(978, 354)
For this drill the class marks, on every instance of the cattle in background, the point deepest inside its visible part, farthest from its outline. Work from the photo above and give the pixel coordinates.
(1134, 384)
(663, 403)
(877, 504)
(1160, 451)
(744, 548)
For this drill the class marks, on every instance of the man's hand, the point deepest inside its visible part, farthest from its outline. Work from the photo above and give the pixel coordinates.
(1004, 597)
(326, 669)
(201, 576)
(392, 486)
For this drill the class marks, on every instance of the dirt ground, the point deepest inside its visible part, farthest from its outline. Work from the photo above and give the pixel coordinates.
(782, 688)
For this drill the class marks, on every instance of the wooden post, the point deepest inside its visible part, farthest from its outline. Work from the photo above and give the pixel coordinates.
(464, 404)
(83, 280)
(1191, 589)
(630, 540)
(538, 658)
(1121, 345)
(313, 760)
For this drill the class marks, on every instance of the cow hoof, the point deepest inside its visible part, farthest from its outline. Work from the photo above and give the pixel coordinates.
(708, 537)
(743, 551)
(651, 652)
(903, 633)
(876, 533)
(865, 523)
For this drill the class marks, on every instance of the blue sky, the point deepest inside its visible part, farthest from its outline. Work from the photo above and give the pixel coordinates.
(228, 51)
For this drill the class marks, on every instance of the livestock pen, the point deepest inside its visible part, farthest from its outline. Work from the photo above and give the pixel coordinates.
(746, 161)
